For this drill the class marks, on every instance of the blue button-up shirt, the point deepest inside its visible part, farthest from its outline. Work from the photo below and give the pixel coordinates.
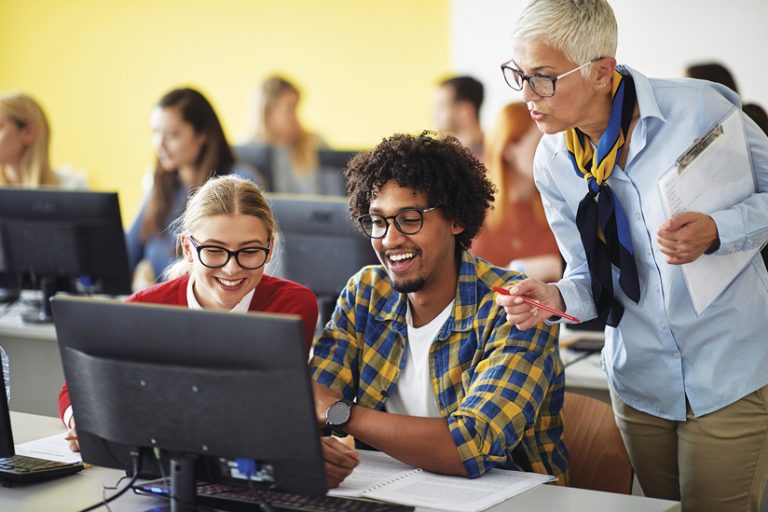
(662, 352)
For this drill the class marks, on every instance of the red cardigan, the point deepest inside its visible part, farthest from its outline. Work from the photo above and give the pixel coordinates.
(272, 295)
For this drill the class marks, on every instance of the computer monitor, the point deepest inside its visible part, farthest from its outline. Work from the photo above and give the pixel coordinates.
(55, 240)
(331, 164)
(203, 387)
(319, 245)
(260, 156)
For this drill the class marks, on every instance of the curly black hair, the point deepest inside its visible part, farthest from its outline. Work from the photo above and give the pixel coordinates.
(439, 166)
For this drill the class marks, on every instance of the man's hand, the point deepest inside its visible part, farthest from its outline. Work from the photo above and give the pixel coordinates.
(340, 460)
(685, 237)
(522, 315)
(324, 398)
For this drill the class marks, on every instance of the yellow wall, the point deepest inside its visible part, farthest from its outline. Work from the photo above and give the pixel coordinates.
(367, 69)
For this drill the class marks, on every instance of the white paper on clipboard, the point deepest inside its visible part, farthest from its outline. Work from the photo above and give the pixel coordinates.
(713, 174)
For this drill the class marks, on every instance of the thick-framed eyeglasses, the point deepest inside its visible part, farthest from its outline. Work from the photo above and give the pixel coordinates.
(214, 256)
(541, 85)
(408, 221)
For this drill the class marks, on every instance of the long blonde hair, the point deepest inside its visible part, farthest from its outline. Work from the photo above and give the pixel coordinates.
(35, 169)
(221, 195)
(304, 148)
(513, 123)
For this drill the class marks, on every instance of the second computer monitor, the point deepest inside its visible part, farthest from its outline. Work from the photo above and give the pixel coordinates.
(319, 245)
(56, 240)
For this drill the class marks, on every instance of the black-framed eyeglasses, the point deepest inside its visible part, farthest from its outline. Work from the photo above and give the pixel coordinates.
(541, 85)
(214, 256)
(408, 221)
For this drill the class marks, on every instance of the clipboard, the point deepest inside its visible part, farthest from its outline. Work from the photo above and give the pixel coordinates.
(713, 174)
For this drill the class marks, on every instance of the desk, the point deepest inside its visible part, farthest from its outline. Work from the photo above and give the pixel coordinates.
(586, 375)
(36, 373)
(83, 489)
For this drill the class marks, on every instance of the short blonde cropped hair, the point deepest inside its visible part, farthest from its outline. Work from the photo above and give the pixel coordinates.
(581, 29)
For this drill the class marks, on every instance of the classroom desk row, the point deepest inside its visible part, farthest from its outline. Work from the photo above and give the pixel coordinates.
(83, 489)
(36, 372)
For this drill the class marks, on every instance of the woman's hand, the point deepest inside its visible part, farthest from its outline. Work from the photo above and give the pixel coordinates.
(522, 315)
(685, 237)
(74, 445)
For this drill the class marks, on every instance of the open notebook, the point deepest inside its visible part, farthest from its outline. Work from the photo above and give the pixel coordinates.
(381, 477)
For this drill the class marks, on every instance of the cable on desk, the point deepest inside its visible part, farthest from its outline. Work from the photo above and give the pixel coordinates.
(136, 458)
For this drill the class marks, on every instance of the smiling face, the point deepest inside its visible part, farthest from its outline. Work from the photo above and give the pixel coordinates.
(577, 102)
(222, 288)
(175, 141)
(421, 262)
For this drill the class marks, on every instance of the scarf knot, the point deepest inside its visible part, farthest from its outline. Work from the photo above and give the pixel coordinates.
(600, 218)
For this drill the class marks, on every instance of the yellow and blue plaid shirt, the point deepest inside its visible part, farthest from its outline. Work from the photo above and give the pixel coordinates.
(499, 388)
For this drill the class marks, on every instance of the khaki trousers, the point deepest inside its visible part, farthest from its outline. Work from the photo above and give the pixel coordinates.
(717, 462)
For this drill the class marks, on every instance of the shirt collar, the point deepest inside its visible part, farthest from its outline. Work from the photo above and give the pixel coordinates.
(240, 307)
(646, 100)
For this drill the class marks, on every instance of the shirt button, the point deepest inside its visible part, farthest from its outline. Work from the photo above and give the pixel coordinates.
(662, 325)
(676, 355)
(638, 216)
(658, 288)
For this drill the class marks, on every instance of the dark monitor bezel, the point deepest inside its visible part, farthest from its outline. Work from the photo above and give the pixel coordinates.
(62, 240)
(319, 245)
(169, 347)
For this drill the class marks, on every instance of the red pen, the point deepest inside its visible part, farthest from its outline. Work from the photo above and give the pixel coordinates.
(504, 291)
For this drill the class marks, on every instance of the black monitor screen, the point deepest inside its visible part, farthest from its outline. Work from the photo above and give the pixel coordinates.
(319, 244)
(196, 385)
(331, 164)
(57, 240)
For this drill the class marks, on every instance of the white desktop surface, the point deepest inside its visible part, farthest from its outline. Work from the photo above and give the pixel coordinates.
(80, 490)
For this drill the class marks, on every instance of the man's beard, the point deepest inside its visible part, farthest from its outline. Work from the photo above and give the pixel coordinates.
(409, 286)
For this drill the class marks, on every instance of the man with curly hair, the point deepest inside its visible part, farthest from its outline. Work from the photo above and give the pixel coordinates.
(417, 360)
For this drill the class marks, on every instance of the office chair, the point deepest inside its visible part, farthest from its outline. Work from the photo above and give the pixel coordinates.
(598, 459)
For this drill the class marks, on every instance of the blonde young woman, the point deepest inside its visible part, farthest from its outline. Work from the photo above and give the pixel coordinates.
(516, 233)
(226, 236)
(294, 161)
(25, 137)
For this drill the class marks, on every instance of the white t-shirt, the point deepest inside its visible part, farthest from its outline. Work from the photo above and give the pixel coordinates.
(414, 395)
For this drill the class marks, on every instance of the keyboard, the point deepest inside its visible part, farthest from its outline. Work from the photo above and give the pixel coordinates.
(20, 468)
(240, 497)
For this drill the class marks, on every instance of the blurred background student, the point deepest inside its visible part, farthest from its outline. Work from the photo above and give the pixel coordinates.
(25, 137)
(516, 233)
(190, 147)
(457, 111)
(293, 158)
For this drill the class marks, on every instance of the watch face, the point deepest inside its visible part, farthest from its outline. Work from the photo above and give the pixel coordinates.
(338, 413)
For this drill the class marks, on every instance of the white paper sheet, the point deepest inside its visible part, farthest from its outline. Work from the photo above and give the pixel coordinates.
(50, 448)
(716, 177)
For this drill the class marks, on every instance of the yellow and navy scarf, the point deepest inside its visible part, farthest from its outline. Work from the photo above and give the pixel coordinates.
(600, 218)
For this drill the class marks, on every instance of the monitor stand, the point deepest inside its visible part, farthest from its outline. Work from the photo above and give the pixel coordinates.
(183, 490)
(42, 315)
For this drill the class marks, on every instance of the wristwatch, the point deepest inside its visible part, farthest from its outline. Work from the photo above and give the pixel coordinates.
(338, 415)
